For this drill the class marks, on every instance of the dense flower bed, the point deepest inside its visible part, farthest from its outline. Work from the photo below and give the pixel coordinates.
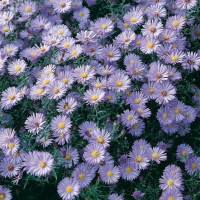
(99, 99)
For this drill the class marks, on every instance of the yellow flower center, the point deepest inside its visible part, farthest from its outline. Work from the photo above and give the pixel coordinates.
(43, 164)
(137, 100)
(105, 71)
(5, 29)
(39, 73)
(89, 130)
(95, 154)
(150, 45)
(81, 14)
(11, 97)
(133, 19)
(119, 83)
(141, 147)
(61, 125)
(2, 196)
(67, 156)
(170, 182)
(174, 58)
(138, 42)
(151, 91)
(126, 25)
(155, 155)
(62, 135)
(60, 32)
(40, 91)
(184, 153)
(171, 198)
(28, 9)
(10, 145)
(135, 126)
(73, 53)
(67, 107)
(42, 49)
(44, 139)
(9, 50)
(176, 111)
(66, 45)
(74, 4)
(104, 26)
(129, 117)
(65, 80)
(84, 75)
(129, 169)
(128, 93)
(98, 85)
(194, 165)
(109, 173)
(165, 115)
(138, 159)
(110, 54)
(81, 176)
(100, 140)
(56, 90)
(69, 189)
(46, 81)
(109, 97)
(16, 154)
(166, 37)
(187, 114)
(94, 97)
(175, 23)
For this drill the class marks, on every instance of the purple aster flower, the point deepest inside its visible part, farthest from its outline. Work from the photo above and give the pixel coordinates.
(175, 22)
(192, 165)
(149, 45)
(163, 116)
(156, 154)
(84, 174)
(73, 52)
(141, 145)
(137, 194)
(61, 6)
(101, 137)
(40, 23)
(35, 123)
(168, 36)
(171, 194)
(148, 90)
(27, 8)
(152, 28)
(10, 97)
(162, 145)
(132, 59)
(173, 74)
(76, 4)
(38, 163)
(175, 57)
(94, 153)
(16, 67)
(68, 188)
(5, 193)
(62, 138)
(68, 156)
(137, 128)
(156, 11)
(86, 36)
(45, 141)
(143, 111)
(94, 96)
(164, 92)
(82, 14)
(108, 160)
(173, 170)
(45, 79)
(134, 16)
(190, 115)
(170, 128)
(137, 71)
(129, 117)
(139, 159)
(66, 77)
(191, 61)
(183, 152)
(60, 30)
(37, 92)
(16, 157)
(185, 4)
(60, 124)
(115, 197)
(66, 42)
(86, 129)
(128, 170)
(8, 168)
(195, 32)
(109, 174)
(10, 146)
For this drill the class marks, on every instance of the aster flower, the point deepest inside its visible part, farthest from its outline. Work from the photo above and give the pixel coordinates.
(51, 39)
(86, 36)
(190, 115)
(45, 79)
(106, 70)
(163, 116)
(94, 96)
(5, 193)
(173, 74)
(84, 73)
(143, 111)
(86, 129)
(16, 157)
(110, 96)
(191, 61)
(139, 159)
(137, 128)
(76, 4)
(82, 14)
(67, 78)
(173, 170)
(68, 156)
(68, 188)
(40, 23)
(164, 92)
(37, 92)
(94, 153)
(38, 163)
(134, 16)
(10, 97)
(66, 42)
(170, 128)
(11, 49)
(119, 82)
(186, 5)
(183, 152)
(132, 60)
(129, 117)
(175, 57)
(156, 154)
(148, 90)
(6, 17)
(152, 28)
(168, 36)
(27, 8)
(156, 11)
(10, 146)
(60, 124)
(8, 168)
(44, 140)
(128, 171)
(171, 194)
(192, 165)
(61, 30)
(141, 145)
(175, 22)
(137, 194)
(83, 174)
(101, 137)
(92, 49)
(111, 53)
(195, 32)
(35, 123)
(115, 197)
(62, 138)
(108, 160)
(149, 45)
(109, 174)
(61, 6)
(136, 71)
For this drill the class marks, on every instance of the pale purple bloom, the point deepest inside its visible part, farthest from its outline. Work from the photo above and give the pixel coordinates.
(82, 14)
(62, 138)
(27, 8)
(163, 116)
(61, 6)
(185, 4)
(170, 128)
(192, 165)
(156, 154)
(111, 53)
(175, 57)
(173, 74)
(17, 67)
(171, 194)
(149, 45)
(129, 117)
(183, 152)
(168, 36)
(143, 111)
(66, 77)
(137, 128)
(191, 61)
(141, 145)
(5, 193)
(115, 197)
(156, 11)
(175, 22)
(137, 194)
(10, 146)
(74, 51)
